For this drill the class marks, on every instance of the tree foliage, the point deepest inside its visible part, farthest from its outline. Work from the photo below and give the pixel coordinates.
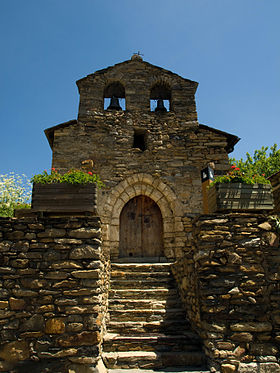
(264, 162)
(15, 192)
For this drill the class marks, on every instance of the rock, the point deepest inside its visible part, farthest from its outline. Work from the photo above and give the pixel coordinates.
(45, 308)
(81, 309)
(19, 263)
(6, 314)
(67, 241)
(74, 327)
(259, 367)
(251, 327)
(32, 283)
(16, 304)
(59, 354)
(234, 291)
(228, 368)
(234, 258)
(67, 264)
(263, 349)
(35, 323)
(85, 252)
(242, 337)
(16, 235)
(24, 293)
(4, 304)
(251, 242)
(272, 239)
(56, 275)
(94, 273)
(52, 232)
(85, 233)
(55, 326)
(265, 226)
(82, 339)
(15, 351)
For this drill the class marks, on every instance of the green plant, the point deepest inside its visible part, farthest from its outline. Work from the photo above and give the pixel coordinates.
(236, 175)
(262, 162)
(15, 192)
(71, 177)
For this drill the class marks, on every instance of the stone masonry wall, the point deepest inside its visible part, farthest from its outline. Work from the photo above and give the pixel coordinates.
(177, 150)
(137, 78)
(176, 153)
(53, 294)
(229, 281)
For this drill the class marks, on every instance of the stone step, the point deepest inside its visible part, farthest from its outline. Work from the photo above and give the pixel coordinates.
(151, 342)
(124, 304)
(120, 274)
(149, 283)
(152, 360)
(147, 315)
(166, 370)
(136, 327)
(160, 293)
(141, 267)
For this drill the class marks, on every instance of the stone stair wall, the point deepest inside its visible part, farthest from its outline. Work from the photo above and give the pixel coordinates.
(53, 294)
(54, 284)
(229, 282)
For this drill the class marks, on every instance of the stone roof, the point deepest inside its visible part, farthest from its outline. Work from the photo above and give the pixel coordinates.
(49, 132)
(232, 140)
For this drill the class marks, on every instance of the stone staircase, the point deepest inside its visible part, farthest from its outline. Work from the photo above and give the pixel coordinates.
(148, 327)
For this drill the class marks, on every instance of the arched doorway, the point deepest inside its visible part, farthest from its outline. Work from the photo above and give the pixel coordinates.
(141, 232)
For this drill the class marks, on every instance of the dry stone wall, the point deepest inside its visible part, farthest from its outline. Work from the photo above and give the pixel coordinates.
(53, 294)
(229, 280)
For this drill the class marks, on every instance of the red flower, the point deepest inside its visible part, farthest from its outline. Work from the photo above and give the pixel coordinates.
(237, 169)
(90, 173)
(263, 174)
(233, 166)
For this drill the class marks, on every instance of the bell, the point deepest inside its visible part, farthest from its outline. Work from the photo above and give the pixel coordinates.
(114, 104)
(160, 106)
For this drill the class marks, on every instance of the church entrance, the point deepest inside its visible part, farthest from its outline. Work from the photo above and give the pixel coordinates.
(141, 229)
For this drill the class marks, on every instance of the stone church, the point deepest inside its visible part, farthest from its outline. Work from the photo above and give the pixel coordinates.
(150, 158)
(147, 281)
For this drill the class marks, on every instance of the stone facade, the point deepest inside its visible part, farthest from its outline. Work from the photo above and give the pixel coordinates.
(165, 168)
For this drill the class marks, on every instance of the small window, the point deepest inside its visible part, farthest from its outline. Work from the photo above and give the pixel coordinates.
(140, 140)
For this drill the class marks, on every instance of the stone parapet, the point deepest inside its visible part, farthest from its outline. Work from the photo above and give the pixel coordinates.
(229, 281)
(53, 298)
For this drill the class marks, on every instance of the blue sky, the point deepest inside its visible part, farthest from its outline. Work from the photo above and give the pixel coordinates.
(231, 47)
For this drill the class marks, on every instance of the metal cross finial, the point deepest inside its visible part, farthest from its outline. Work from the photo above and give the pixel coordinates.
(139, 54)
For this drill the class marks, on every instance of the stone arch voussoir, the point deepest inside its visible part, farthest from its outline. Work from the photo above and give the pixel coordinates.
(157, 190)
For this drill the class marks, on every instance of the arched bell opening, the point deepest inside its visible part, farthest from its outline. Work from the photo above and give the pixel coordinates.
(114, 97)
(160, 98)
(141, 229)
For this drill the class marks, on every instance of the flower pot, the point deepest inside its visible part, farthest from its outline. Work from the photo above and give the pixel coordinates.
(64, 198)
(240, 197)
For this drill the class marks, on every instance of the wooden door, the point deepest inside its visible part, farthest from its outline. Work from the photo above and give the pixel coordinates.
(141, 229)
